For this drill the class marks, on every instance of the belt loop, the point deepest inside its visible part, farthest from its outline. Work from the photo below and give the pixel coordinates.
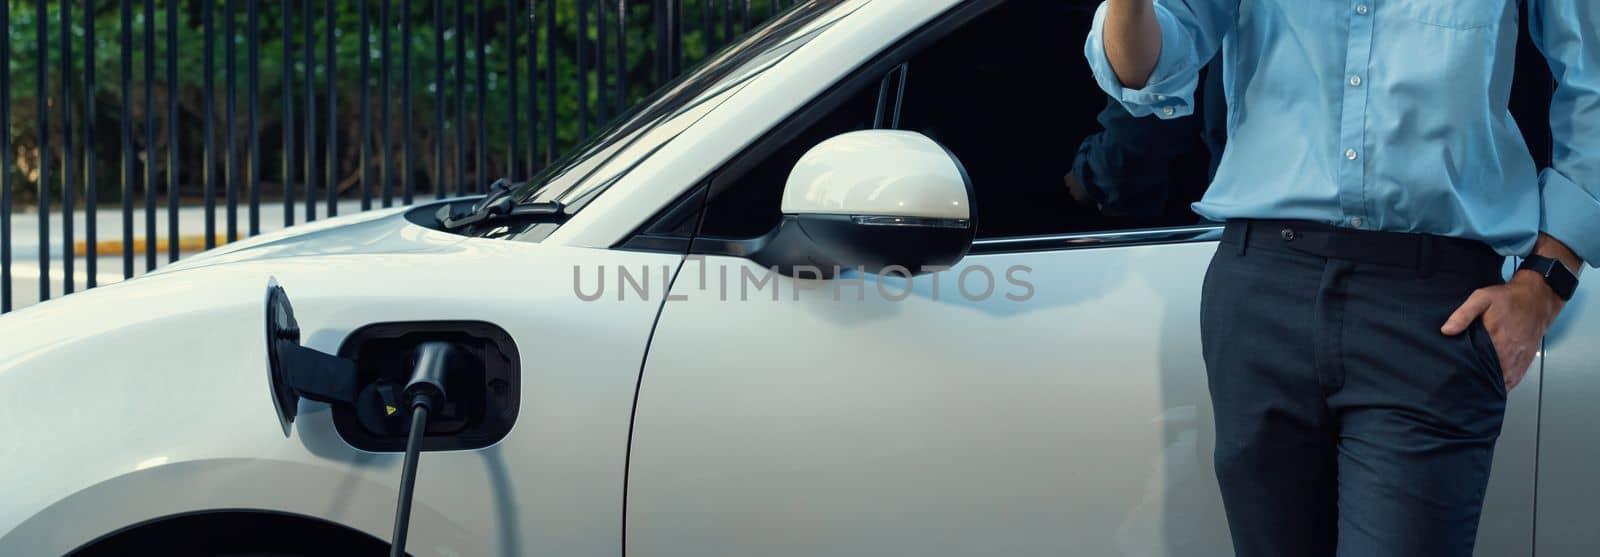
(1427, 255)
(1244, 236)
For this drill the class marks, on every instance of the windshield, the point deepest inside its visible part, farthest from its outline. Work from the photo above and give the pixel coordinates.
(586, 170)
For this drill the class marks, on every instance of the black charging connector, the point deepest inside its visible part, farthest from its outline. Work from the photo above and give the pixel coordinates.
(432, 363)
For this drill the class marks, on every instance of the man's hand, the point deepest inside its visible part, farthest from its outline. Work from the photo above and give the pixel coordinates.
(1517, 314)
(1079, 192)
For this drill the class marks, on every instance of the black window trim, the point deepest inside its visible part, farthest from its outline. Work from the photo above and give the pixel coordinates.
(1203, 232)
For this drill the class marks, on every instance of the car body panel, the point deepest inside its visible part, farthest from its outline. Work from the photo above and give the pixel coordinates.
(380, 231)
(1075, 422)
(163, 490)
(1569, 428)
(110, 392)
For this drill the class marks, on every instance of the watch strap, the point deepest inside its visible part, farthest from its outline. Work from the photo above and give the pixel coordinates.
(1555, 273)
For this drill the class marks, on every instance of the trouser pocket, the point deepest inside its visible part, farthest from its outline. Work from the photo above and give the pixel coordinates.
(1488, 355)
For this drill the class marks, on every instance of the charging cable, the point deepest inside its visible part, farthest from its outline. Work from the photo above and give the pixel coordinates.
(424, 391)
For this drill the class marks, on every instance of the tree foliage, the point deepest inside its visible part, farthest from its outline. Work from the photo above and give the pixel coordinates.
(431, 75)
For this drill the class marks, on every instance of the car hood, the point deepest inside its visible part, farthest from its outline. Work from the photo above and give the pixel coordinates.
(384, 231)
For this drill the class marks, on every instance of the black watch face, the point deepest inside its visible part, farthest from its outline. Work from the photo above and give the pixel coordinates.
(1562, 280)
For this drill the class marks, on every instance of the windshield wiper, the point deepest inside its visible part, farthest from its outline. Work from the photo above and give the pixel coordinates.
(497, 208)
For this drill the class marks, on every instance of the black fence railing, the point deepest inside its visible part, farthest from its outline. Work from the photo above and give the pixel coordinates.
(118, 117)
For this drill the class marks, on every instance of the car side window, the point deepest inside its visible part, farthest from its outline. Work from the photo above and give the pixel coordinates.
(1012, 96)
(1009, 93)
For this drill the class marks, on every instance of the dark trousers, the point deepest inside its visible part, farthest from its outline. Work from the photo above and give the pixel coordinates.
(1346, 423)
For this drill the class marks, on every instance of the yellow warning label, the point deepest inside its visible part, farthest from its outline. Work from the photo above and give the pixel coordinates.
(388, 410)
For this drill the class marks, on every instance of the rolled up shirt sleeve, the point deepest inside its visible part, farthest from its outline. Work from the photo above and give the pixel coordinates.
(1568, 33)
(1191, 33)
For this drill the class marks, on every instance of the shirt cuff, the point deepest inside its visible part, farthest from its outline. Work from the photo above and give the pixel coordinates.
(1571, 214)
(1169, 93)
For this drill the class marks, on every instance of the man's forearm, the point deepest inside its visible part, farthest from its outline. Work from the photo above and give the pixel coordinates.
(1132, 40)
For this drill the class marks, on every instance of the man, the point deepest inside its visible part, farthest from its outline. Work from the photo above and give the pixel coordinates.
(1358, 335)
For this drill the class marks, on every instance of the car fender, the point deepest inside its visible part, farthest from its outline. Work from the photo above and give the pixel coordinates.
(108, 386)
(167, 490)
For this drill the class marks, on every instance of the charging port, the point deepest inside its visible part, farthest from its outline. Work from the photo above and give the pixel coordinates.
(484, 387)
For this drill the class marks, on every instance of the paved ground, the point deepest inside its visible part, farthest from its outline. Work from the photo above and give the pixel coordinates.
(26, 270)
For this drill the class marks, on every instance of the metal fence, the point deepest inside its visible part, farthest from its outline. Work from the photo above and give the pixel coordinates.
(346, 106)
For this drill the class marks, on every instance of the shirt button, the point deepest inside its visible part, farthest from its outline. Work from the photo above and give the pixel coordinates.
(1168, 111)
(1355, 81)
(1161, 97)
(1361, 9)
(1356, 222)
(1351, 154)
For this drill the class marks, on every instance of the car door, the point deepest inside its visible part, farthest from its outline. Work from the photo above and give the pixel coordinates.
(1044, 396)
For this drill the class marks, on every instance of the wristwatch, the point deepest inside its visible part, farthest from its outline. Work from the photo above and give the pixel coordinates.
(1556, 274)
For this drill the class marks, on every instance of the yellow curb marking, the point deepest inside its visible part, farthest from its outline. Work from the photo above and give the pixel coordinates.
(188, 243)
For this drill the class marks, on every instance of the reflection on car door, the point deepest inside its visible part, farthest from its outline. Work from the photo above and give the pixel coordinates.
(1074, 420)
(843, 420)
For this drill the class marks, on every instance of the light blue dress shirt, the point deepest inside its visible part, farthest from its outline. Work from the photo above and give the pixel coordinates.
(1386, 114)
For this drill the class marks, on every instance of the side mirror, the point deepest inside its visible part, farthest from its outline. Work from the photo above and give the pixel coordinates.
(872, 200)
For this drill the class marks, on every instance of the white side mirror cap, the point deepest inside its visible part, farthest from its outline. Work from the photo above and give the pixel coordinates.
(879, 173)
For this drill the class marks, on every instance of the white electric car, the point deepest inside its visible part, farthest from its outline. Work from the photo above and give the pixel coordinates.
(660, 358)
